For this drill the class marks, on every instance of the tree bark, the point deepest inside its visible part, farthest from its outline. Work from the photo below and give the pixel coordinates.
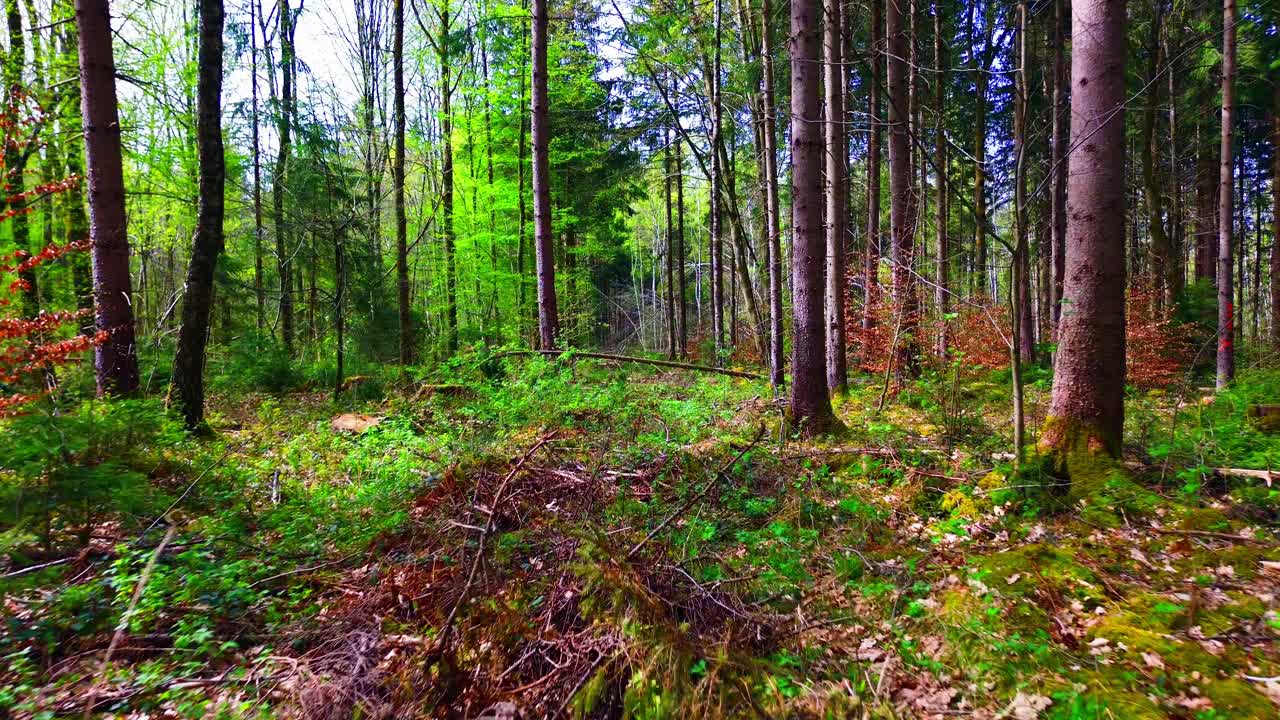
(1275, 222)
(1086, 412)
(259, 288)
(1022, 254)
(115, 359)
(810, 402)
(981, 271)
(446, 180)
(773, 244)
(16, 154)
(871, 267)
(1058, 166)
(207, 245)
(279, 183)
(673, 339)
(837, 200)
(1226, 329)
(1161, 247)
(548, 317)
(405, 313)
(942, 266)
(905, 360)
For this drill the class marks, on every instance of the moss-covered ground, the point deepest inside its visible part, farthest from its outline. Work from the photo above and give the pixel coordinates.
(594, 540)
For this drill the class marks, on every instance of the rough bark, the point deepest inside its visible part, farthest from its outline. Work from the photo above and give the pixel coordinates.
(187, 393)
(548, 317)
(942, 267)
(673, 339)
(871, 259)
(446, 182)
(115, 359)
(837, 200)
(1226, 329)
(1161, 248)
(284, 130)
(405, 315)
(259, 288)
(810, 403)
(1058, 166)
(981, 271)
(773, 243)
(16, 153)
(905, 357)
(1086, 413)
(1275, 223)
(1022, 250)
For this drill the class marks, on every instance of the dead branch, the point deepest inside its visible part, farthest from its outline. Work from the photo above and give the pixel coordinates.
(699, 495)
(1215, 536)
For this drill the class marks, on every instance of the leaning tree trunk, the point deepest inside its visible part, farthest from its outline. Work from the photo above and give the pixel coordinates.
(188, 363)
(1083, 430)
(905, 360)
(810, 402)
(116, 358)
(548, 318)
(1226, 329)
(837, 198)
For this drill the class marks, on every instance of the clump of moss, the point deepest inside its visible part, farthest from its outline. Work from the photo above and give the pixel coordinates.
(1237, 699)
(1020, 571)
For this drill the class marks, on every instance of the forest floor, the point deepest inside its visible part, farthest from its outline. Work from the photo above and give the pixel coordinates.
(532, 539)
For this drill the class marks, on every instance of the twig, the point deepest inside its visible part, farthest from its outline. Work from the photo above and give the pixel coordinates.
(41, 566)
(568, 698)
(186, 492)
(124, 619)
(1214, 535)
(699, 495)
(484, 537)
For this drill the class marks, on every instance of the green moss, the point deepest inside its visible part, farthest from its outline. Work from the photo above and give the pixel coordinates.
(1018, 572)
(1242, 608)
(1205, 519)
(1238, 700)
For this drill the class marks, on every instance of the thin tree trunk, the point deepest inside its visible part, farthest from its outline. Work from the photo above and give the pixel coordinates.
(1226, 331)
(837, 200)
(207, 244)
(773, 243)
(16, 153)
(280, 182)
(982, 271)
(810, 402)
(259, 288)
(942, 267)
(1161, 248)
(1275, 223)
(1086, 413)
(1058, 166)
(673, 339)
(683, 315)
(407, 341)
(548, 318)
(446, 190)
(115, 359)
(900, 181)
(1022, 259)
(871, 267)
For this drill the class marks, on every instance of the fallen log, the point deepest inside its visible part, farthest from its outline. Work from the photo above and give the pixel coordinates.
(640, 360)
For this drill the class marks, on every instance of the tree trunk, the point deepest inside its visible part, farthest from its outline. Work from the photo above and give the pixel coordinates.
(837, 199)
(1161, 248)
(1226, 330)
(900, 179)
(115, 359)
(207, 245)
(942, 266)
(717, 200)
(981, 272)
(773, 243)
(810, 402)
(16, 153)
(259, 289)
(1275, 222)
(1022, 286)
(407, 342)
(548, 318)
(683, 315)
(871, 267)
(446, 180)
(1086, 413)
(1058, 167)
(281, 179)
(673, 339)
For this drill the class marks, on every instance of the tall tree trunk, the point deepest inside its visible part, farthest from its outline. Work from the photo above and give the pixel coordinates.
(1086, 413)
(1161, 247)
(548, 317)
(259, 289)
(446, 180)
(717, 200)
(1275, 221)
(900, 180)
(1226, 331)
(16, 153)
(115, 359)
(1177, 274)
(673, 339)
(280, 181)
(407, 340)
(810, 401)
(207, 244)
(1022, 259)
(522, 209)
(942, 267)
(871, 267)
(1206, 212)
(773, 243)
(682, 315)
(837, 199)
(1059, 161)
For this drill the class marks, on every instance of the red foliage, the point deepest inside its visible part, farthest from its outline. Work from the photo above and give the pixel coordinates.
(1159, 350)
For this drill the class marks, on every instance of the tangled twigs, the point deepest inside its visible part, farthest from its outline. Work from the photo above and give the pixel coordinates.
(487, 530)
(698, 495)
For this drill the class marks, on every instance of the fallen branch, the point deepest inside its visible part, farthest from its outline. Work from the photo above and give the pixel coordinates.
(1214, 535)
(484, 537)
(699, 495)
(640, 360)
